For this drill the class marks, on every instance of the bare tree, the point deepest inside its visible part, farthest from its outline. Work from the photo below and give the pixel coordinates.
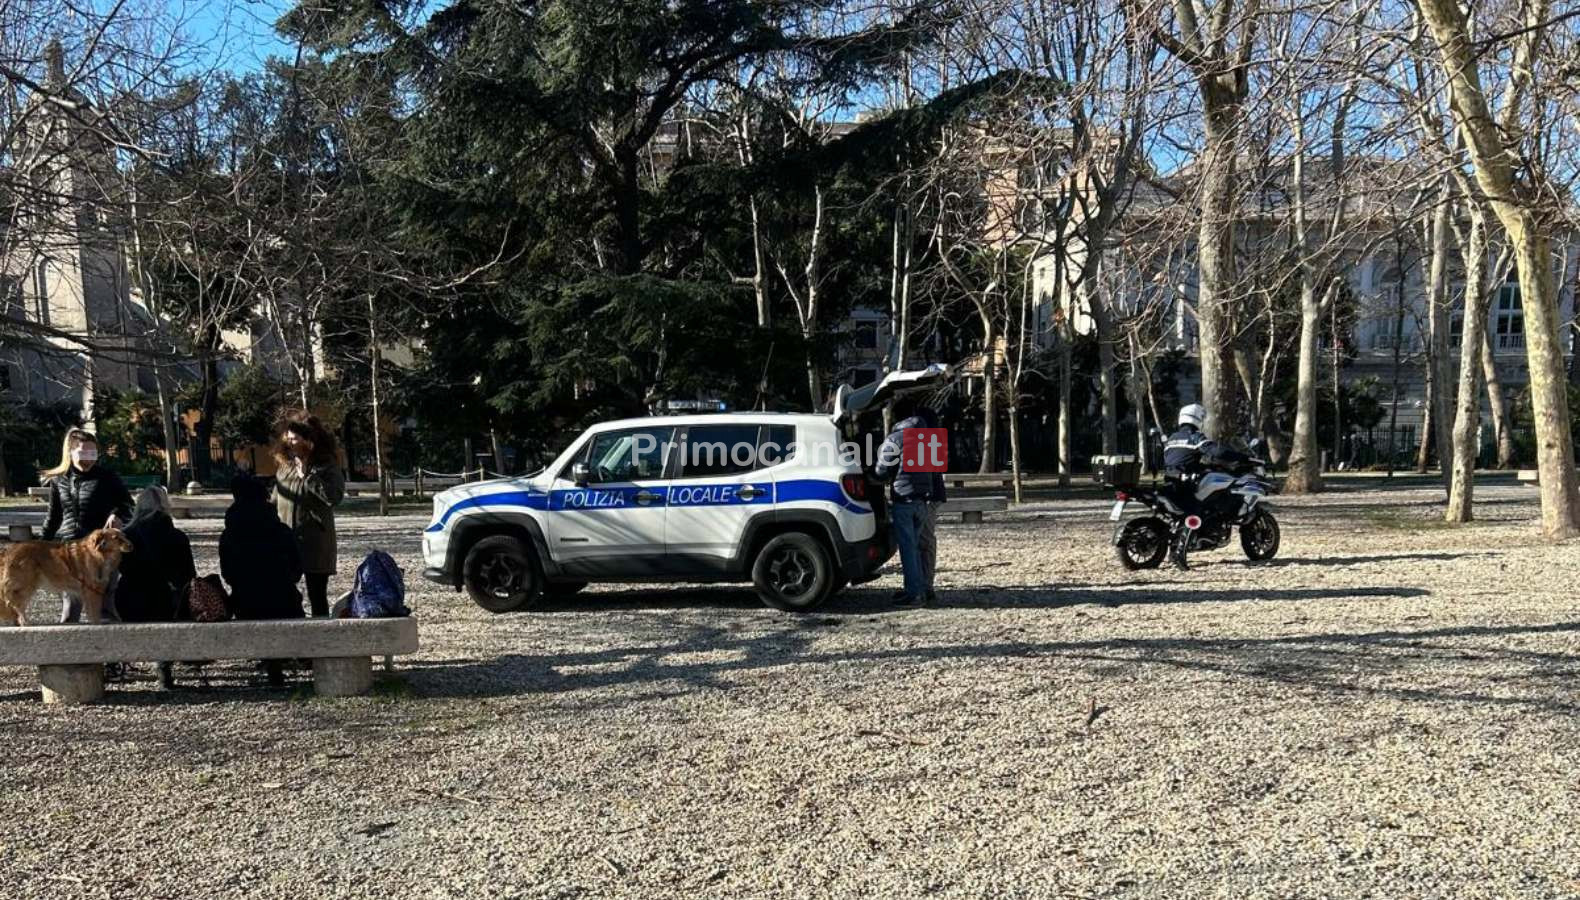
(1514, 186)
(1216, 41)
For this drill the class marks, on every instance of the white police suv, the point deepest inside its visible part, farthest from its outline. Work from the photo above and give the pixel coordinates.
(785, 501)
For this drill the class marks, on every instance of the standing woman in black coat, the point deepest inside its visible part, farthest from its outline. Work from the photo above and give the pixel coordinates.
(83, 496)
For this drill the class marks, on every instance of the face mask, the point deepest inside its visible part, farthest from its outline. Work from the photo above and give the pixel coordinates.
(85, 456)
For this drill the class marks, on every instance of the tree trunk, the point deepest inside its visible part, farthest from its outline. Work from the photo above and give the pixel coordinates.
(1215, 252)
(989, 462)
(1502, 430)
(1467, 415)
(1014, 448)
(1555, 460)
(167, 427)
(1305, 460)
(1090, 298)
(378, 432)
(203, 429)
(1438, 327)
(1488, 142)
(1065, 420)
(497, 451)
(1423, 446)
(1398, 364)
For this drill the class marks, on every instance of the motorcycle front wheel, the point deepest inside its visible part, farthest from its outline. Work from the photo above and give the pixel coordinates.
(1259, 536)
(1142, 543)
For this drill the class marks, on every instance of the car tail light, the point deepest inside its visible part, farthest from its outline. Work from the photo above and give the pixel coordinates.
(855, 487)
(1121, 495)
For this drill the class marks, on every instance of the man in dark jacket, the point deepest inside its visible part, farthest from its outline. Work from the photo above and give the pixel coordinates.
(1189, 453)
(913, 508)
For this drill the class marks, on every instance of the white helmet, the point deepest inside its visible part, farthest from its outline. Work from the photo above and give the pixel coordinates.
(1194, 414)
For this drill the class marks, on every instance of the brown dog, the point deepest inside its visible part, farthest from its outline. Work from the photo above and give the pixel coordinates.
(80, 567)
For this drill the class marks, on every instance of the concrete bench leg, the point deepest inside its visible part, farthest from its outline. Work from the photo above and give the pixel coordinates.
(19, 533)
(971, 517)
(72, 685)
(343, 676)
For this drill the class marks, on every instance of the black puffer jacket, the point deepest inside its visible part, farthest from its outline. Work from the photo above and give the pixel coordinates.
(81, 502)
(156, 570)
(258, 557)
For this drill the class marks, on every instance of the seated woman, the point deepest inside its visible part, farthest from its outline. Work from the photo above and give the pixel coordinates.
(158, 568)
(260, 561)
(258, 556)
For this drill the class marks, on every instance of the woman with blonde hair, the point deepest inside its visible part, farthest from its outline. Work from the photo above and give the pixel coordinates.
(308, 485)
(83, 497)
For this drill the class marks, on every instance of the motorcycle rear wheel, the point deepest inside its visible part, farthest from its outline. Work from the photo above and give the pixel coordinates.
(1259, 537)
(1142, 544)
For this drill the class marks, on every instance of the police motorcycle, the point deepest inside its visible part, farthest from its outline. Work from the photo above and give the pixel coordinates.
(1223, 502)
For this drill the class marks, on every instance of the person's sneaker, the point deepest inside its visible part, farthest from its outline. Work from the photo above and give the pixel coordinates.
(910, 602)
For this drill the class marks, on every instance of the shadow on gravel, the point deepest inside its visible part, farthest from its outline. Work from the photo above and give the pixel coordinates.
(1055, 596)
(1430, 665)
(1382, 557)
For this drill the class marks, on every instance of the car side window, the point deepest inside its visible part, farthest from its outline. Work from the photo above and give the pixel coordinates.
(710, 451)
(776, 444)
(635, 454)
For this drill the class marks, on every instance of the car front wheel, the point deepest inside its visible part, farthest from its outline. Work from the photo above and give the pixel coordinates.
(500, 574)
(793, 573)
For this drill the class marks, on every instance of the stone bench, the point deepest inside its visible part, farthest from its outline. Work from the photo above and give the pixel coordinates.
(71, 658)
(972, 508)
(1527, 476)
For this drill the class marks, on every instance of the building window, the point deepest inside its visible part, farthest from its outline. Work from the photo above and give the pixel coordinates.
(1510, 327)
(41, 293)
(866, 335)
(1456, 325)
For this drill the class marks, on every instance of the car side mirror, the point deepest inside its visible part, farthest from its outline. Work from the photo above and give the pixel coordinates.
(581, 474)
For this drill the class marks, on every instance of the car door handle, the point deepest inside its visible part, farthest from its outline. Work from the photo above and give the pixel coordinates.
(750, 493)
(645, 497)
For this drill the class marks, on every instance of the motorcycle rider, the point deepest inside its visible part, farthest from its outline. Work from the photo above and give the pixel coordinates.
(1189, 454)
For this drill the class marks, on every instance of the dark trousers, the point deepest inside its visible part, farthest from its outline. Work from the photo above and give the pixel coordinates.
(318, 594)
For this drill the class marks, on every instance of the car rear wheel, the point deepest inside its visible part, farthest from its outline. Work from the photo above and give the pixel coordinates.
(793, 572)
(501, 575)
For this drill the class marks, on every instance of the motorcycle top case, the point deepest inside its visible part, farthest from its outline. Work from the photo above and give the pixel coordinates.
(1116, 471)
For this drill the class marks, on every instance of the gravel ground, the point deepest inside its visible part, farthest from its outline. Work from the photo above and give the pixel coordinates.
(1386, 710)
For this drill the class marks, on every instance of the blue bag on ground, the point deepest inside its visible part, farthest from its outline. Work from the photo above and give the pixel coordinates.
(380, 591)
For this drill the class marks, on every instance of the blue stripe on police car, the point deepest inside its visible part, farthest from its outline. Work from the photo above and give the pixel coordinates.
(624, 497)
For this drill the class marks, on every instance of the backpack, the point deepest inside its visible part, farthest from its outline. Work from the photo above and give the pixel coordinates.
(380, 591)
(206, 601)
